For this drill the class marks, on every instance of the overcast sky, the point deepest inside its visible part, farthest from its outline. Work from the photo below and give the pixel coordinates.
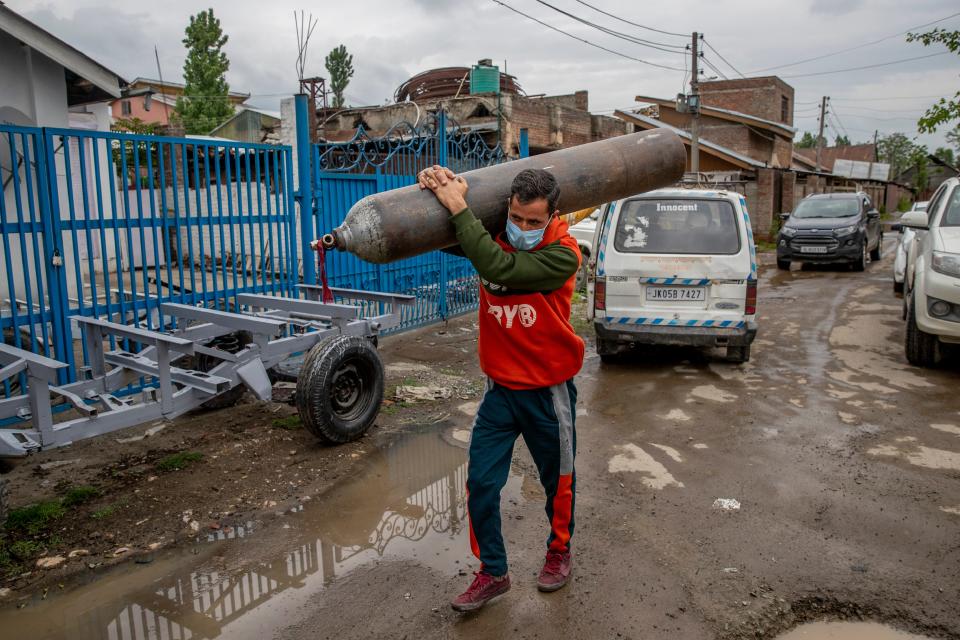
(392, 40)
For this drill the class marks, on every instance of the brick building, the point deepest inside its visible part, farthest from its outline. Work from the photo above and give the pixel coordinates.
(767, 97)
(552, 122)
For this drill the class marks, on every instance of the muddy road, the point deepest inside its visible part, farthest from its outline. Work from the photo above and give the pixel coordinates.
(820, 480)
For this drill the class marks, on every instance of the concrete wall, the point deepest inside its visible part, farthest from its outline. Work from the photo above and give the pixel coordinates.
(32, 84)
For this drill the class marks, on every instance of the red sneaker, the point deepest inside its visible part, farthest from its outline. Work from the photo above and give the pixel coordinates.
(555, 572)
(485, 588)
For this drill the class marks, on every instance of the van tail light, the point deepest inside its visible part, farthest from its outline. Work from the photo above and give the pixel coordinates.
(600, 294)
(751, 302)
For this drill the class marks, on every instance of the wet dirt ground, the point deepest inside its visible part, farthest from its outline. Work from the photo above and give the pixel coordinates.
(819, 481)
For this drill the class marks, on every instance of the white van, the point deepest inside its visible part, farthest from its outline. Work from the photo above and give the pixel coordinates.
(675, 267)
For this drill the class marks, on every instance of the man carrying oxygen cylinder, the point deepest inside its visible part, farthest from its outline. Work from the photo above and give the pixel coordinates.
(530, 354)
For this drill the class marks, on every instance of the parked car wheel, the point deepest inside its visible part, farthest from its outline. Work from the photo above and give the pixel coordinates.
(875, 254)
(921, 348)
(738, 355)
(608, 354)
(897, 287)
(340, 389)
(861, 263)
(783, 264)
(581, 281)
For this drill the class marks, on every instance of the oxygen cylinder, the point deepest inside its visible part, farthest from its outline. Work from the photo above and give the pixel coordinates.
(392, 225)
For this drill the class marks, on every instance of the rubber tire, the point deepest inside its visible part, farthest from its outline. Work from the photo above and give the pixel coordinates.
(897, 287)
(323, 366)
(876, 253)
(920, 347)
(783, 264)
(861, 264)
(607, 355)
(738, 355)
(231, 396)
(580, 284)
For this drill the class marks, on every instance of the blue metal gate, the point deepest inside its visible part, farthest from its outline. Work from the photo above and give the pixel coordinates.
(444, 284)
(111, 225)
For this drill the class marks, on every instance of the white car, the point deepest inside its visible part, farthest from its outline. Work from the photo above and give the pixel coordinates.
(906, 238)
(932, 281)
(584, 231)
(674, 267)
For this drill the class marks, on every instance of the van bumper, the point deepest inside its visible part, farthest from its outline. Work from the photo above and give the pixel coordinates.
(679, 336)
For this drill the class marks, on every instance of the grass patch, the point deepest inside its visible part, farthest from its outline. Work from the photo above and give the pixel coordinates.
(106, 512)
(178, 461)
(34, 519)
(577, 297)
(78, 495)
(766, 245)
(290, 423)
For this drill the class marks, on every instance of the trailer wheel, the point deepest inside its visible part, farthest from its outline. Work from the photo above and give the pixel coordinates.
(231, 343)
(340, 388)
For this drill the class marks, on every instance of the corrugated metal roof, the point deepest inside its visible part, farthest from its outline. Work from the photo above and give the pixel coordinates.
(708, 110)
(686, 136)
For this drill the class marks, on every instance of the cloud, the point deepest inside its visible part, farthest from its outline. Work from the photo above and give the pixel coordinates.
(835, 7)
(392, 40)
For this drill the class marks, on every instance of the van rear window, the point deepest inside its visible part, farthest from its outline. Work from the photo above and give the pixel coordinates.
(677, 226)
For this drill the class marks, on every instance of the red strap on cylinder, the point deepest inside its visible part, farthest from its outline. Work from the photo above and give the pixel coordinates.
(327, 295)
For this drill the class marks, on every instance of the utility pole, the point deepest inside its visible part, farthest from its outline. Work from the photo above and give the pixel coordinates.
(694, 103)
(874, 158)
(823, 115)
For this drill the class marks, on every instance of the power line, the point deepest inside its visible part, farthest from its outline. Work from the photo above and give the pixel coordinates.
(662, 46)
(869, 66)
(714, 68)
(615, 17)
(851, 99)
(709, 46)
(859, 46)
(592, 44)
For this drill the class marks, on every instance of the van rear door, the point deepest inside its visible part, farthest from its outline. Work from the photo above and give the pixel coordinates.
(677, 261)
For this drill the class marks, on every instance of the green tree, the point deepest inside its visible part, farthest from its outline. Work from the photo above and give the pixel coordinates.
(918, 159)
(842, 141)
(944, 111)
(204, 103)
(339, 64)
(945, 154)
(895, 150)
(807, 141)
(953, 137)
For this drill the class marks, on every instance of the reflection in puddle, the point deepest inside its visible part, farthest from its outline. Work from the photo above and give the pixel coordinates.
(409, 502)
(847, 631)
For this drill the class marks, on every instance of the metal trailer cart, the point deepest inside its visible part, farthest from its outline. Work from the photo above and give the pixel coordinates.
(208, 359)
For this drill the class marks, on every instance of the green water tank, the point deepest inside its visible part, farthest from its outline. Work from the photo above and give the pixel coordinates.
(484, 78)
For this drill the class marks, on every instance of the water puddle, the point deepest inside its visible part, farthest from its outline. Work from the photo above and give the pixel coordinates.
(408, 503)
(847, 631)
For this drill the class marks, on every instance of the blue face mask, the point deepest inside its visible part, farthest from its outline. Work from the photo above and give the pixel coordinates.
(523, 240)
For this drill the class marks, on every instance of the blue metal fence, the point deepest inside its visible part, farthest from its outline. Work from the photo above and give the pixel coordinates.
(111, 225)
(444, 284)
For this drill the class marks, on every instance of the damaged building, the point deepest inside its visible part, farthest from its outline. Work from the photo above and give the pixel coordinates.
(481, 99)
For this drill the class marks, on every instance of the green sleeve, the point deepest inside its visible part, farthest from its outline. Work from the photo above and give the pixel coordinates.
(543, 270)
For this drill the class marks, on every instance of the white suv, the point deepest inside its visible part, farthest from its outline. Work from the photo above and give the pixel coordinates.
(932, 282)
